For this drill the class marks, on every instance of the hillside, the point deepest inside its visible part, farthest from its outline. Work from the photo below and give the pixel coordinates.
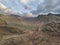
(41, 30)
(48, 18)
(45, 36)
(44, 18)
(13, 24)
(5, 27)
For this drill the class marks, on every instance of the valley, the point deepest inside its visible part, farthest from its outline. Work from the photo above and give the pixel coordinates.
(41, 30)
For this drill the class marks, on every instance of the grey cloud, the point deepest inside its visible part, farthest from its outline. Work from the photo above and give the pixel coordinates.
(48, 6)
(27, 7)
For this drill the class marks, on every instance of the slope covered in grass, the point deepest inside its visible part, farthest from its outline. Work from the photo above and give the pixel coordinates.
(45, 36)
(17, 22)
(15, 31)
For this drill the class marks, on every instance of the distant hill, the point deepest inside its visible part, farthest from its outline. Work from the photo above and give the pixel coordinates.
(48, 18)
(54, 14)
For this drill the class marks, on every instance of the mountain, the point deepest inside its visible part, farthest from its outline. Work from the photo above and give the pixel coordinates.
(41, 30)
(49, 34)
(13, 24)
(48, 18)
(6, 25)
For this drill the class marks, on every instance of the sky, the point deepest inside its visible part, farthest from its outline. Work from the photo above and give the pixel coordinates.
(33, 7)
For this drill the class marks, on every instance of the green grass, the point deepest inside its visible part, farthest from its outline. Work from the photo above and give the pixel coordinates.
(24, 26)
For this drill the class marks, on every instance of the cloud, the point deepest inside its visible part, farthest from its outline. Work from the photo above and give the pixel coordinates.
(8, 0)
(2, 6)
(27, 7)
(40, 1)
(51, 5)
(35, 6)
(27, 4)
(5, 9)
(31, 1)
(26, 1)
(28, 14)
(47, 6)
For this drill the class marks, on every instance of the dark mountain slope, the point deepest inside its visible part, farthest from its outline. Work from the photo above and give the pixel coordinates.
(48, 18)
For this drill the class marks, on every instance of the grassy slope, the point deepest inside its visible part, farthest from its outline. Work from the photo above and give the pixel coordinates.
(15, 24)
(40, 37)
(22, 34)
(11, 25)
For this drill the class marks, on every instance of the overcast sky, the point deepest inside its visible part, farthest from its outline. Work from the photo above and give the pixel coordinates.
(32, 6)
